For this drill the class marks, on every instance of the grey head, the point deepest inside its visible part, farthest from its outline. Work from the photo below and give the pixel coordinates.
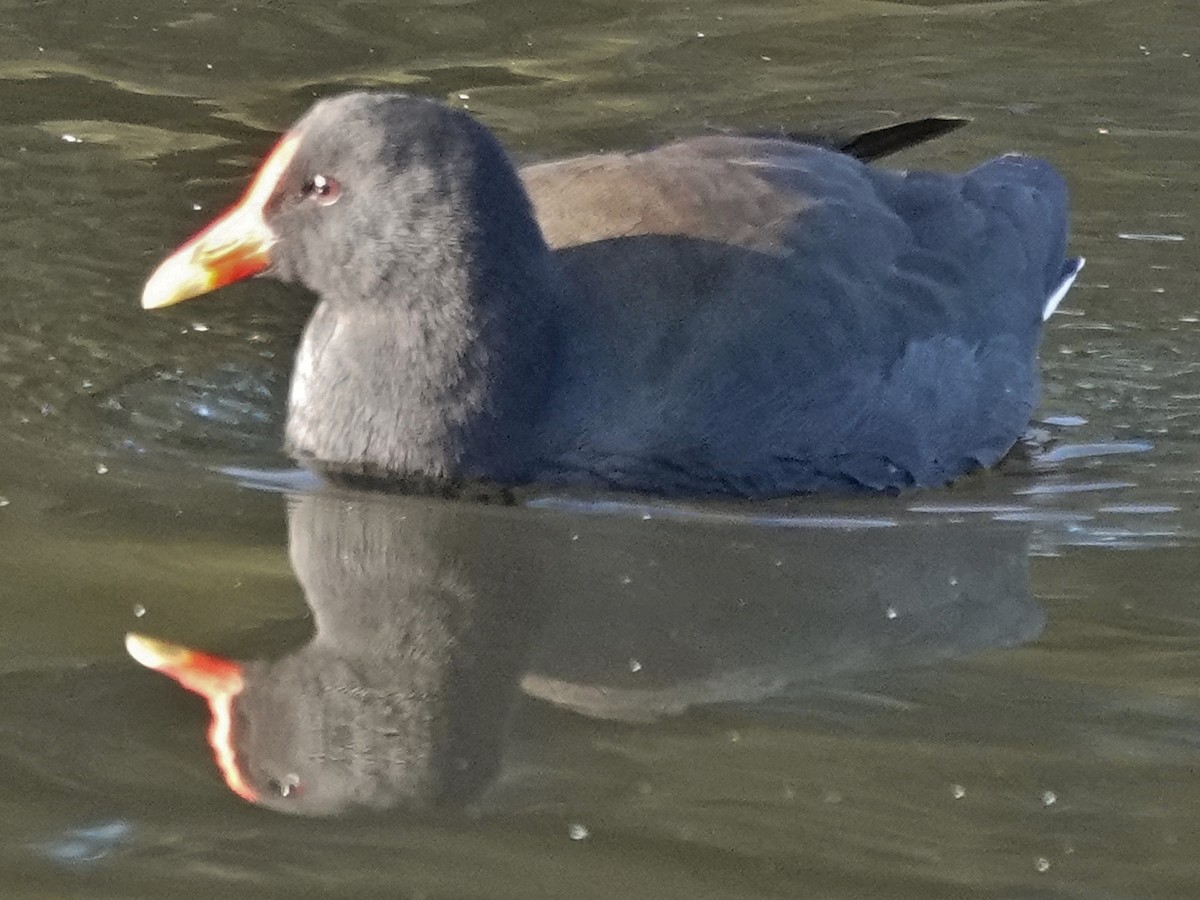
(427, 356)
(386, 193)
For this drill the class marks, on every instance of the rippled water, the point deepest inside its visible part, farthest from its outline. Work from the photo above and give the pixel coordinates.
(990, 689)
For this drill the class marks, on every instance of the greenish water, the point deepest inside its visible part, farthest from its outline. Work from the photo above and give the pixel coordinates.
(986, 691)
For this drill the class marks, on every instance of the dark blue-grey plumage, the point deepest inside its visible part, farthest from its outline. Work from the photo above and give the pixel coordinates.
(748, 316)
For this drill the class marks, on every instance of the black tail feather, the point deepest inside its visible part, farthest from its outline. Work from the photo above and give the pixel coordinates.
(877, 143)
(882, 142)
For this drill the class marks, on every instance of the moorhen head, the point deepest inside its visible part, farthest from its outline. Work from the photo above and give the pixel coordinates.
(406, 219)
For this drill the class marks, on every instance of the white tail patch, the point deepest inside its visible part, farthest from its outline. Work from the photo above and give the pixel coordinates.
(1061, 291)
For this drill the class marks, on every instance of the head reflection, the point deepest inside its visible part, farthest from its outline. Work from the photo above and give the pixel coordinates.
(401, 697)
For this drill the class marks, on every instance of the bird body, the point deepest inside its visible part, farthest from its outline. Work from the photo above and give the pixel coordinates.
(723, 315)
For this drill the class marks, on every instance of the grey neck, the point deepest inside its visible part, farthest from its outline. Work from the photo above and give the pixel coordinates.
(446, 382)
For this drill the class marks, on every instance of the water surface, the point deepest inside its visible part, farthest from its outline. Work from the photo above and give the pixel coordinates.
(989, 689)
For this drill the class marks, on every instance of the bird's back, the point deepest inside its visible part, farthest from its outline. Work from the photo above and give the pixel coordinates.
(764, 316)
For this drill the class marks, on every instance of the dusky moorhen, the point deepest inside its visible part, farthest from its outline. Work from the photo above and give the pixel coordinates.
(723, 315)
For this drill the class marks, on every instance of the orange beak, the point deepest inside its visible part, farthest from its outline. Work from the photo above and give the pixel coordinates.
(215, 679)
(235, 246)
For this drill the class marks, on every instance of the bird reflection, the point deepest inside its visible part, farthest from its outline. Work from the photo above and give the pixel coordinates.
(431, 615)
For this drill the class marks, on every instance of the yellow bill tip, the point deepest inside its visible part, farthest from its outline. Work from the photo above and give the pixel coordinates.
(176, 280)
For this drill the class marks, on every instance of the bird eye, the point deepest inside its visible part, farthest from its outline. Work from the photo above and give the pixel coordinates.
(322, 189)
